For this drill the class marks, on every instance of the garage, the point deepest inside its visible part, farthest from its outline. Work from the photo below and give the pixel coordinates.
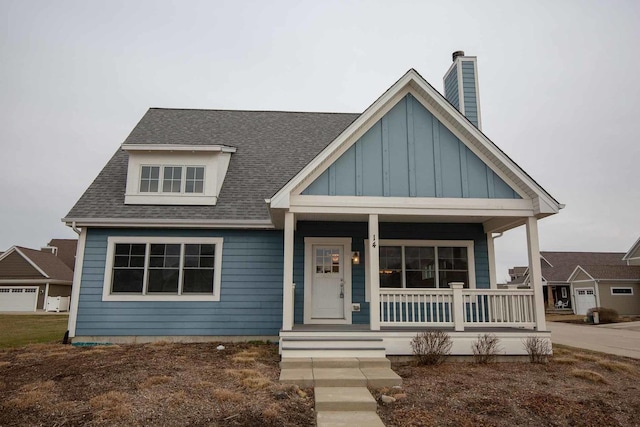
(585, 299)
(18, 298)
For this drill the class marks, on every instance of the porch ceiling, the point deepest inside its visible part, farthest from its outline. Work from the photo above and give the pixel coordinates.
(492, 224)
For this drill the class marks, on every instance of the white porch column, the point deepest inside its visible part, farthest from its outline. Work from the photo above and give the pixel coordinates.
(493, 280)
(458, 306)
(535, 272)
(287, 286)
(373, 264)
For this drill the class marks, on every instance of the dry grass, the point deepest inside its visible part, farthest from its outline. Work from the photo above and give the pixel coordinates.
(565, 360)
(586, 357)
(33, 395)
(112, 405)
(256, 383)
(612, 365)
(224, 395)
(4, 364)
(589, 375)
(243, 373)
(153, 381)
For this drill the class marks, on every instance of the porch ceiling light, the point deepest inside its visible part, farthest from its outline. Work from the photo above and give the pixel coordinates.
(355, 257)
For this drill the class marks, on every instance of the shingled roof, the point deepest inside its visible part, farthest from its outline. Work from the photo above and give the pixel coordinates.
(563, 263)
(271, 146)
(49, 263)
(612, 272)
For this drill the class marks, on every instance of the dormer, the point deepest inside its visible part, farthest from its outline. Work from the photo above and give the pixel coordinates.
(164, 174)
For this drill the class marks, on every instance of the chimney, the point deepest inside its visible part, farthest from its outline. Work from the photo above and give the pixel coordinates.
(461, 86)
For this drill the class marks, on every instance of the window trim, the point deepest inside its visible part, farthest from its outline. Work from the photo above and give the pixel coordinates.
(469, 244)
(183, 180)
(110, 258)
(622, 294)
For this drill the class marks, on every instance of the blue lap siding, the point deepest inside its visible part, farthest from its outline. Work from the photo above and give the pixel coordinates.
(359, 232)
(250, 293)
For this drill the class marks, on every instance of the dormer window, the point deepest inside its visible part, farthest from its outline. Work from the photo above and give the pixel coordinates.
(176, 175)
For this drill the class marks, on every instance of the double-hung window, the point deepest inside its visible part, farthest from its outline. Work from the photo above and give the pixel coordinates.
(156, 268)
(172, 179)
(426, 264)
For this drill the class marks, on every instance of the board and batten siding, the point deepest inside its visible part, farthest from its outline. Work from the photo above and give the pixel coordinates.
(409, 153)
(359, 232)
(451, 87)
(250, 292)
(469, 91)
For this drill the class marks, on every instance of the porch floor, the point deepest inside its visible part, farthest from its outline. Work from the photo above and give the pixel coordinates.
(364, 328)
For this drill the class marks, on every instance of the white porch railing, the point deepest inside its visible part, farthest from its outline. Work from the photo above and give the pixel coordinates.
(457, 307)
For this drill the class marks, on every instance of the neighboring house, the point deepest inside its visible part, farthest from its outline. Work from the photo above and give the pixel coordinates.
(570, 278)
(29, 276)
(351, 229)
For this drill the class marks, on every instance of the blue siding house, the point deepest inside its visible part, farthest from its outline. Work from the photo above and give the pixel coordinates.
(214, 225)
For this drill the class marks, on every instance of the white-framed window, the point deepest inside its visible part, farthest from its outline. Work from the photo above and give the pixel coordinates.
(424, 263)
(627, 290)
(162, 269)
(172, 179)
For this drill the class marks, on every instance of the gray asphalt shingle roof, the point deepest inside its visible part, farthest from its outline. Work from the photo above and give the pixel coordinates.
(272, 147)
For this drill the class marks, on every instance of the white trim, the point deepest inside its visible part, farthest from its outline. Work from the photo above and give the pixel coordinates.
(374, 272)
(46, 296)
(215, 165)
(627, 257)
(163, 223)
(491, 255)
(345, 242)
(621, 287)
(178, 147)
(288, 288)
(535, 272)
(432, 206)
(477, 142)
(575, 272)
(77, 279)
(111, 242)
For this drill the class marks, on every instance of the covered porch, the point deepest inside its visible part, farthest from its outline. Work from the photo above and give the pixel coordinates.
(333, 295)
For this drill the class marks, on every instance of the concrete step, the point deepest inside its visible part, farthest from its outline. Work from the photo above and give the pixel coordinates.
(338, 362)
(332, 353)
(300, 377)
(339, 377)
(344, 399)
(374, 362)
(381, 377)
(296, 363)
(348, 419)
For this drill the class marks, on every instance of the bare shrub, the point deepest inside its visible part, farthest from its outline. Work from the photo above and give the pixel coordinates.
(485, 348)
(588, 375)
(431, 347)
(537, 348)
(605, 315)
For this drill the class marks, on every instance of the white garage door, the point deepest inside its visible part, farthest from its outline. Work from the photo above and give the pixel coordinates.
(16, 298)
(585, 299)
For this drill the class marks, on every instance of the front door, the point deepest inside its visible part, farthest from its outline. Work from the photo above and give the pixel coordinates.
(328, 285)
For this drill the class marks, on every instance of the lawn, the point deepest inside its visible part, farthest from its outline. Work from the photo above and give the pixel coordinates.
(18, 330)
(195, 384)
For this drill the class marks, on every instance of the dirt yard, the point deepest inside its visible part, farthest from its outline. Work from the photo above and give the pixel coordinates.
(194, 384)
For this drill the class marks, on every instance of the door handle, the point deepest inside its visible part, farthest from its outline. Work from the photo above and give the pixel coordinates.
(341, 288)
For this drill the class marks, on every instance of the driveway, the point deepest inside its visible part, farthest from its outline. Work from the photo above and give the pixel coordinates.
(622, 339)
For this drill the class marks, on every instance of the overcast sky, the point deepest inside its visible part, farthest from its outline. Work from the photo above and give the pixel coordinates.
(559, 90)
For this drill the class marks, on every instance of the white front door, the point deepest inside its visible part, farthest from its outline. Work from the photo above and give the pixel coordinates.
(328, 282)
(585, 299)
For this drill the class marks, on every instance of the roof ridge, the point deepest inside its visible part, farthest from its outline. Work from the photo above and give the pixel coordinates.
(252, 111)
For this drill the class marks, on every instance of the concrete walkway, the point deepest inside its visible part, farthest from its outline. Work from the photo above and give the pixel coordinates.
(341, 394)
(621, 339)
